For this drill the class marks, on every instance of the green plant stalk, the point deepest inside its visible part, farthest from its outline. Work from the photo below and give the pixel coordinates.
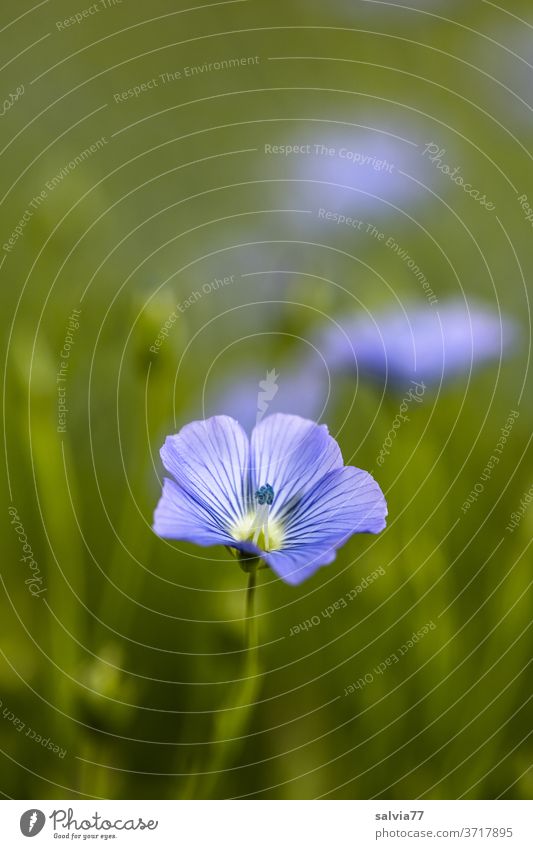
(233, 720)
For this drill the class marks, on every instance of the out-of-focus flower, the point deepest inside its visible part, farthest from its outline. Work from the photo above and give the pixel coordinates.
(304, 390)
(418, 343)
(284, 496)
(358, 173)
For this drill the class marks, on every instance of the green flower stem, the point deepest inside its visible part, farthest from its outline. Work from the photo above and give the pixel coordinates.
(250, 623)
(233, 719)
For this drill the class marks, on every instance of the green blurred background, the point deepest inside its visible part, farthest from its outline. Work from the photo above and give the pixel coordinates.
(131, 663)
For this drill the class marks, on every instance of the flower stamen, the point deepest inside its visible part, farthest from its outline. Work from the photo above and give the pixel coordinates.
(264, 497)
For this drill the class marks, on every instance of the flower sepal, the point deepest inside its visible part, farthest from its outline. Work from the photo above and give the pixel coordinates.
(249, 563)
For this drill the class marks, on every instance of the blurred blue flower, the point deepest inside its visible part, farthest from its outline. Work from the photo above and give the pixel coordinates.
(419, 343)
(303, 389)
(284, 496)
(359, 172)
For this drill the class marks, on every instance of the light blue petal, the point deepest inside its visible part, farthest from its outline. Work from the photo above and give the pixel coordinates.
(209, 460)
(421, 343)
(345, 502)
(179, 516)
(291, 454)
(296, 565)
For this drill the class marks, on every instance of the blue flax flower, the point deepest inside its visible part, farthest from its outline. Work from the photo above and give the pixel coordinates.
(421, 343)
(284, 496)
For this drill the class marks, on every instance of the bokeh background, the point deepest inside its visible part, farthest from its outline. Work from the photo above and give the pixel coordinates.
(122, 668)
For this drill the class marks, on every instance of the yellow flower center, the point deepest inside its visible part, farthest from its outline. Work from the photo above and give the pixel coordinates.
(258, 526)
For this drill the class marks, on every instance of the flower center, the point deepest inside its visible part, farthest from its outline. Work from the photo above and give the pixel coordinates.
(265, 495)
(257, 524)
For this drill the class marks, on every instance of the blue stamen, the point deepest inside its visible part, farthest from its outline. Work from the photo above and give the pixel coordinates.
(265, 494)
